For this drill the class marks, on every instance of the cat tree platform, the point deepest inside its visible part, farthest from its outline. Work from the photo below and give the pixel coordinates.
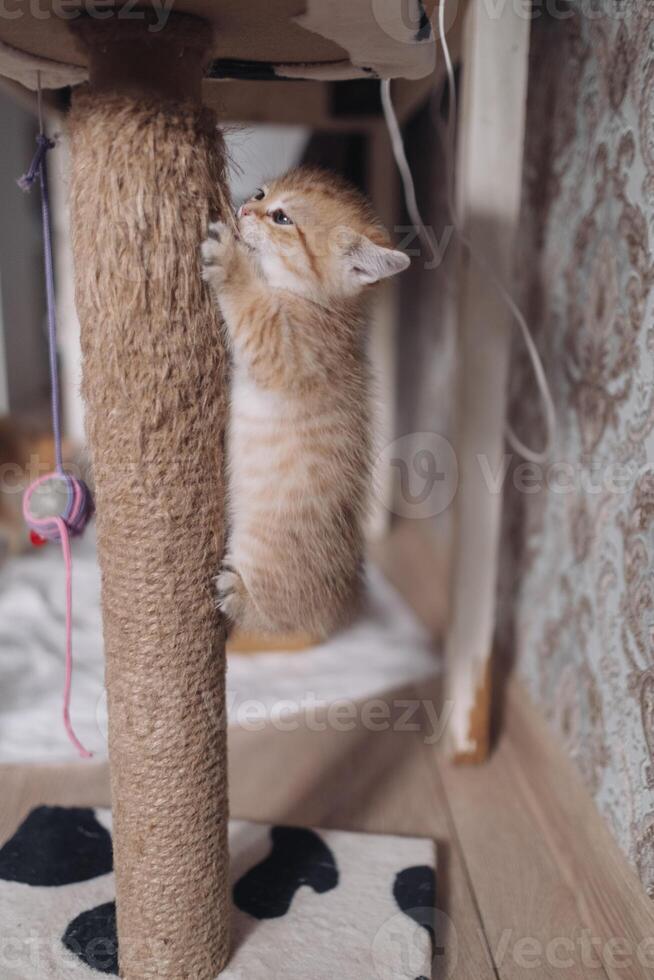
(312, 52)
(305, 902)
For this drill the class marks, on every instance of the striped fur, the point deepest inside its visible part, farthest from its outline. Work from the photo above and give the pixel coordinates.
(292, 296)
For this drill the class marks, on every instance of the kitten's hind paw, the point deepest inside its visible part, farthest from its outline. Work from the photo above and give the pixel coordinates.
(230, 592)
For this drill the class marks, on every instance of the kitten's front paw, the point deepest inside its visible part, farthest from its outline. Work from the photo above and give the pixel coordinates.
(230, 593)
(218, 251)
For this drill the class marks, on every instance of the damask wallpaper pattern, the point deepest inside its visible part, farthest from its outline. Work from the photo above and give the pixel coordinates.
(577, 589)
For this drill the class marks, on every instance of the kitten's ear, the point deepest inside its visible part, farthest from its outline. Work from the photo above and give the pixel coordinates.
(369, 262)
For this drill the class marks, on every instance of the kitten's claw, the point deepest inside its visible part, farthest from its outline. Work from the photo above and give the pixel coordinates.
(218, 230)
(211, 251)
(217, 251)
(229, 592)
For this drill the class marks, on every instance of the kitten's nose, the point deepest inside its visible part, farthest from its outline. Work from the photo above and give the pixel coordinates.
(242, 211)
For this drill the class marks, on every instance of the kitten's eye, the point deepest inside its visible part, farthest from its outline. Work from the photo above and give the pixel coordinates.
(280, 217)
(259, 194)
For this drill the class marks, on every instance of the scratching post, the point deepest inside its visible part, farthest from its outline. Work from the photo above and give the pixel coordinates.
(147, 171)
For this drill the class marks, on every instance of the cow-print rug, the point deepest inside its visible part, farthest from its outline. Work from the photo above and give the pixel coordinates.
(307, 904)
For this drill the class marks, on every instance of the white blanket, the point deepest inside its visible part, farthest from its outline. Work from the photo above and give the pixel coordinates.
(384, 650)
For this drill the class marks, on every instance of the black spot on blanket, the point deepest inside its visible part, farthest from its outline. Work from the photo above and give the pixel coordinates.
(415, 893)
(57, 846)
(298, 857)
(92, 937)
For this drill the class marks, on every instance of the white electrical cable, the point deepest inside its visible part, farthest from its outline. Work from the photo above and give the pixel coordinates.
(399, 153)
(403, 164)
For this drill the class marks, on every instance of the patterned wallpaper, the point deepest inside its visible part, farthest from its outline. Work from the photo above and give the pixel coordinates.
(578, 578)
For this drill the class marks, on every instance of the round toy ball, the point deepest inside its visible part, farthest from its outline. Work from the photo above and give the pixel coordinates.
(50, 498)
(57, 503)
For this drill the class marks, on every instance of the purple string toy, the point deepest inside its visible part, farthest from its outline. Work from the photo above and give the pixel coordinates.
(56, 506)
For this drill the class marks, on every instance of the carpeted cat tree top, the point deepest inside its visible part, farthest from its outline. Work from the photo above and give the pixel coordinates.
(293, 43)
(284, 39)
(146, 176)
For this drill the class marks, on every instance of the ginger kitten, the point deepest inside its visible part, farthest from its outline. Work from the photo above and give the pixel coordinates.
(290, 282)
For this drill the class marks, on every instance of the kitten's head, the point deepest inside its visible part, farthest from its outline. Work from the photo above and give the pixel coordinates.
(315, 235)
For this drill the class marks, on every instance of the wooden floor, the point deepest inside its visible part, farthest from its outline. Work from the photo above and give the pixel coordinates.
(530, 883)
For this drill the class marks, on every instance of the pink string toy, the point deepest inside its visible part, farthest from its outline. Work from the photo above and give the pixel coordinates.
(71, 519)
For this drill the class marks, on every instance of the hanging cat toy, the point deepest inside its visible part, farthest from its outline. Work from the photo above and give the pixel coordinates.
(58, 505)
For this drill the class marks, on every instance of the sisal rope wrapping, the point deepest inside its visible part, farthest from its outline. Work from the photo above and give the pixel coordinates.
(146, 174)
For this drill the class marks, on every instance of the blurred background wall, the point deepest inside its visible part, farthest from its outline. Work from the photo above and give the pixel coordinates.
(578, 582)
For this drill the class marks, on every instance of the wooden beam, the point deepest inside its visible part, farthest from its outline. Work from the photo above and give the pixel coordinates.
(489, 172)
